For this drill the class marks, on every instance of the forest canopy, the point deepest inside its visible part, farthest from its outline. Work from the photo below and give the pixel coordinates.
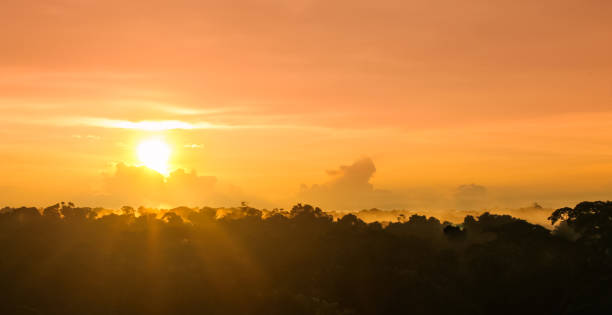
(66, 259)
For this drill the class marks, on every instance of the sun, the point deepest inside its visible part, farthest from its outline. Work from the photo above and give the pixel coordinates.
(154, 154)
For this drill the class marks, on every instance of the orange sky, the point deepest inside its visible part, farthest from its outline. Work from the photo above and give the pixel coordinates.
(427, 104)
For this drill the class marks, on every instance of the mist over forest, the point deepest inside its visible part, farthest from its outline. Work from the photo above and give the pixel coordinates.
(305, 157)
(66, 259)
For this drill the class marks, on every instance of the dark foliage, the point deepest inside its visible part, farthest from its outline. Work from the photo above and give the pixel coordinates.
(69, 260)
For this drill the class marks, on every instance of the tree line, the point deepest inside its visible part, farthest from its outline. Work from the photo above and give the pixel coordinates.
(65, 259)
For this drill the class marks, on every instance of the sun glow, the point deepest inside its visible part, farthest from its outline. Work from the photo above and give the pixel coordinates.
(154, 154)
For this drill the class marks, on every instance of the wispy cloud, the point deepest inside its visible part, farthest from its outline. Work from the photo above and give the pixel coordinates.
(186, 111)
(194, 146)
(88, 137)
(196, 123)
(175, 109)
(146, 125)
(52, 77)
(162, 125)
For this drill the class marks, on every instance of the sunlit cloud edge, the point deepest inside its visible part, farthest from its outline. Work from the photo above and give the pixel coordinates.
(147, 125)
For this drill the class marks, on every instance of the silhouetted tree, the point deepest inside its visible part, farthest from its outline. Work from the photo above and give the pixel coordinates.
(454, 233)
(243, 260)
(592, 220)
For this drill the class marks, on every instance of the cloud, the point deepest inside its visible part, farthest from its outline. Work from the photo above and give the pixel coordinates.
(350, 188)
(138, 185)
(87, 137)
(191, 111)
(194, 146)
(471, 196)
(147, 125)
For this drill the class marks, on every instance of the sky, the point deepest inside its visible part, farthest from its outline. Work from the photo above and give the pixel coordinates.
(437, 104)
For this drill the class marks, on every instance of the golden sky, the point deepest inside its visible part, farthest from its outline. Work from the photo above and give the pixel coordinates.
(345, 104)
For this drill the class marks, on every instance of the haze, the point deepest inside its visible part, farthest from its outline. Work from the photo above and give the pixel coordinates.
(344, 104)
